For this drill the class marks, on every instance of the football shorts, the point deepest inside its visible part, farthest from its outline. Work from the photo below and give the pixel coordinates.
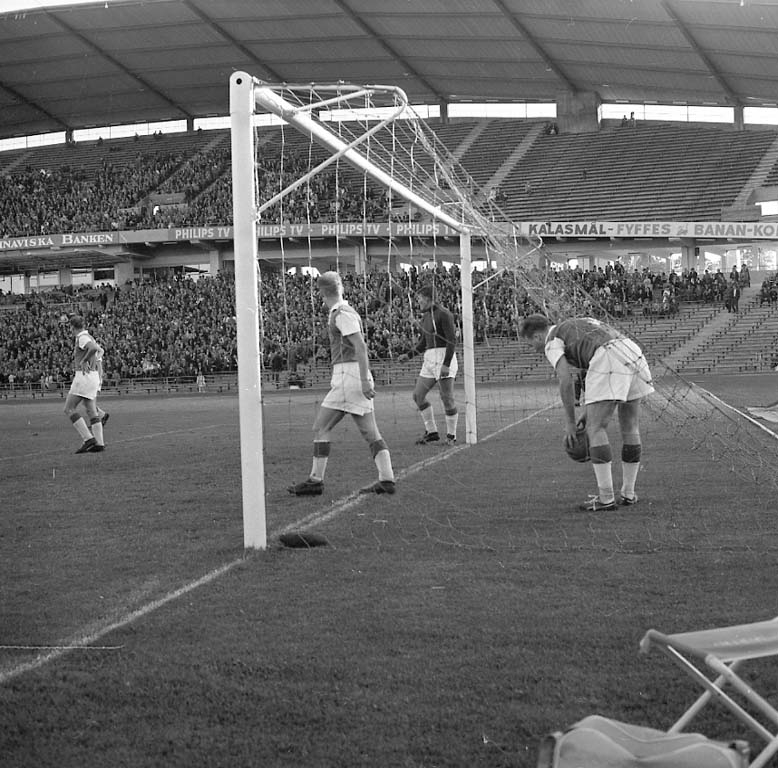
(618, 371)
(346, 391)
(433, 360)
(85, 384)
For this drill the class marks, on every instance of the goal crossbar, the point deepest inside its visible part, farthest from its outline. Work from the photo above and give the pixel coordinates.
(267, 98)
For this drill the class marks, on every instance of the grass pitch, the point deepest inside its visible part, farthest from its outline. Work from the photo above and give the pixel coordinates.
(453, 624)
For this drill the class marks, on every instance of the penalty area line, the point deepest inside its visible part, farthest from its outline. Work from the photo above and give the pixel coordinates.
(87, 640)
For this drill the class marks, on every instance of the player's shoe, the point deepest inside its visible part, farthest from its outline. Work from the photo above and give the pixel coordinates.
(104, 418)
(87, 445)
(96, 448)
(428, 437)
(307, 488)
(595, 505)
(451, 439)
(380, 486)
(626, 501)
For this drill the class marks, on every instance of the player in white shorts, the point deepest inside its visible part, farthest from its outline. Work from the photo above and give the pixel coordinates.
(439, 366)
(351, 391)
(87, 380)
(617, 379)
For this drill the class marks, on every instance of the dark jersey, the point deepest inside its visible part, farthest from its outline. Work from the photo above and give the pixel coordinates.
(438, 330)
(581, 337)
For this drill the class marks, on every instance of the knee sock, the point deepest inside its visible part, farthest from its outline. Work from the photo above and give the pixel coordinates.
(321, 452)
(97, 430)
(630, 464)
(428, 415)
(452, 419)
(382, 459)
(80, 426)
(602, 464)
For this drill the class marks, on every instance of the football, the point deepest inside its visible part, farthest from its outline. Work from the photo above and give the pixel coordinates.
(579, 451)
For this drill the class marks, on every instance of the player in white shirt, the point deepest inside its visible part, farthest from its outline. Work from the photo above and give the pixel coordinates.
(87, 379)
(351, 391)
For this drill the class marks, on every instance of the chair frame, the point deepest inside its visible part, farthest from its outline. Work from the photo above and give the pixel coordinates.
(724, 650)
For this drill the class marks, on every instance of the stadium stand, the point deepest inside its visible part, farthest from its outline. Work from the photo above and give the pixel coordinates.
(653, 172)
(742, 342)
(662, 172)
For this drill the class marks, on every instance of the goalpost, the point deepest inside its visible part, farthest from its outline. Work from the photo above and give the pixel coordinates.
(247, 313)
(397, 150)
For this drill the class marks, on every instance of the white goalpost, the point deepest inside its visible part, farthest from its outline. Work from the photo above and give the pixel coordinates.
(247, 313)
(394, 148)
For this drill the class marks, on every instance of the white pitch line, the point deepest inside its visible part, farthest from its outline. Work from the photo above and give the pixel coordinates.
(60, 647)
(737, 411)
(317, 518)
(92, 637)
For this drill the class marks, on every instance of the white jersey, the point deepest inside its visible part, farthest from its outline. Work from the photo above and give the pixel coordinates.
(86, 384)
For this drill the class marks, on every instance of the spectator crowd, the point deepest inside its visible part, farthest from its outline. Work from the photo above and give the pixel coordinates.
(179, 327)
(116, 193)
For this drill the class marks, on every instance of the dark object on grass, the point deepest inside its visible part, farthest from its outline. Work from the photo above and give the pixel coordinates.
(302, 540)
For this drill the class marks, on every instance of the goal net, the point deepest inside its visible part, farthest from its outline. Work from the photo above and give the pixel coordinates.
(392, 147)
(357, 164)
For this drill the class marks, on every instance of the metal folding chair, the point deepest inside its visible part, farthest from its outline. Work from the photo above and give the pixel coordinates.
(724, 651)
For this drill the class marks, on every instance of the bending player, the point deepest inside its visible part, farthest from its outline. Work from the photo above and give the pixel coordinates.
(351, 391)
(617, 377)
(439, 366)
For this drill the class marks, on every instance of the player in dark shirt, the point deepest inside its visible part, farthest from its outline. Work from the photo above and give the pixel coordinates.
(617, 378)
(438, 345)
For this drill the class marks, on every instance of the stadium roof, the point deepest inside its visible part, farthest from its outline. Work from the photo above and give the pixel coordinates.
(153, 60)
